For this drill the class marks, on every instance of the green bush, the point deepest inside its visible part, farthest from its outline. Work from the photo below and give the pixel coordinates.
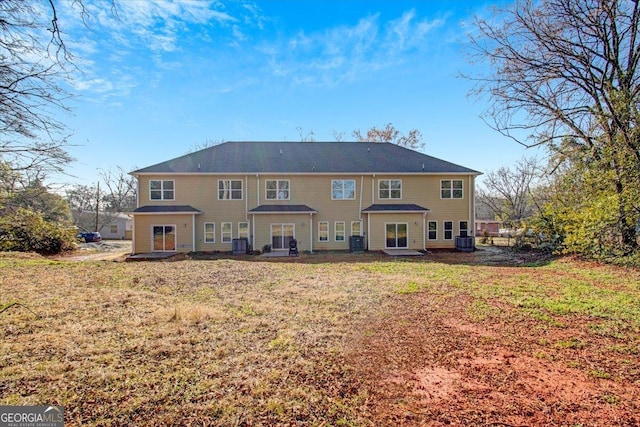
(27, 231)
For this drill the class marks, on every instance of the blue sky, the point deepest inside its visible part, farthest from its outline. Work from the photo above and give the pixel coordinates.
(163, 77)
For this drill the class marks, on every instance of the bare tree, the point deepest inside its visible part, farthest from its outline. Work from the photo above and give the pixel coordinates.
(120, 191)
(389, 133)
(206, 144)
(508, 192)
(565, 74)
(34, 62)
(309, 137)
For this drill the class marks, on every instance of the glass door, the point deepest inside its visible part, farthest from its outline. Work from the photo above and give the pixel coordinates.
(281, 235)
(396, 235)
(164, 238)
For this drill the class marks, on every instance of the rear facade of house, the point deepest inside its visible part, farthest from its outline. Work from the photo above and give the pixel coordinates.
(319, 193)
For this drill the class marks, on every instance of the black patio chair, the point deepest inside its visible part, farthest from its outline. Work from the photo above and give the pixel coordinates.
(293, 247)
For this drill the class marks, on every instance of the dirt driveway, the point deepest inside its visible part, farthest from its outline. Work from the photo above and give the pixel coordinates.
(107, 250)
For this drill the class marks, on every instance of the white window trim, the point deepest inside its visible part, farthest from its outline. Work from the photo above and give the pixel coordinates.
(222, 232)
(385, 234)
(460, 227)
(428, 230)
(444, 230)
(335, 231)
(162, 181)
(343, 191)
(319, 224)
(204, 236)
(230, 189)
(266, 190)
(451, 189)
(389, 181)
(239, 235)
(175, 233)
(280, 224)
(356, 222)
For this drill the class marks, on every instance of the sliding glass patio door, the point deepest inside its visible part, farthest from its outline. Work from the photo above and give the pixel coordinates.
(281, 235)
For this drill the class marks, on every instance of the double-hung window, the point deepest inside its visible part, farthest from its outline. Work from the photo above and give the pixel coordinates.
(464, 228)
(356, 228)
(343, 189)
(277, 189)
(339, 229)
(432, 233)
(323, 231)
(161, 189)
(448, 230)
(209, 232)
(451, 189)
(229, 189)
(225, 232)
(390, 189)
(243, 230)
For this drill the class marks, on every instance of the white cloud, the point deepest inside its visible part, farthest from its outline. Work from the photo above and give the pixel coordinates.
(107, 36)
(343, 53)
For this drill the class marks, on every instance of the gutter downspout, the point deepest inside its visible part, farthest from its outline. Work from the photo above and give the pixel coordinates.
(472, 209)
(311, 232)
(253, 225)
(193, 232)
(361, 190)
(246, 199)
(253, 232)
(424, 230)
(133, 225)
(368, 228)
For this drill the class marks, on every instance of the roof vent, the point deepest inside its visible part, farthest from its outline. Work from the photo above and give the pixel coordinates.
(281, 151)
(423, 166)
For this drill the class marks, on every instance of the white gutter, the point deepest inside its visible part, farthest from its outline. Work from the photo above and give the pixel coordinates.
(368, 228)
(257, 190)
(311, 232)
(373, 186)
(361, 191)
(253, 232)
(424, 231)
(246, 198)
(472, 209)
(193, 233)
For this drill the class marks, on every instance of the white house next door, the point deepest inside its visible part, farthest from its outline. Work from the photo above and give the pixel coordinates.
(281, 235)
(164, 238)
(396, 235)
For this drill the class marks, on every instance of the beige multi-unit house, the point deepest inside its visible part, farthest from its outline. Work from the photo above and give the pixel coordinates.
(318, 193)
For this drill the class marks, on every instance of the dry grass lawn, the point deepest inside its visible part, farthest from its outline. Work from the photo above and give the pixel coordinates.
(323, 340)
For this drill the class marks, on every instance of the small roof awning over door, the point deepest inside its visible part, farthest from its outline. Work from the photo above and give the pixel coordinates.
(395, 208)
(288, 209)
(166, 209)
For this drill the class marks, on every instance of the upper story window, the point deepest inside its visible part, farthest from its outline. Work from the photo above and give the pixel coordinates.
(229, 189)
(451, 189)
(343, 189)
(390, 189)
(161, 189)
(277, 189)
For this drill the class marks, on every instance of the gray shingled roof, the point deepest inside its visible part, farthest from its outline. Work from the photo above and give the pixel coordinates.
(306, 157)
(283, 209)
(396, 207)
(167, 209)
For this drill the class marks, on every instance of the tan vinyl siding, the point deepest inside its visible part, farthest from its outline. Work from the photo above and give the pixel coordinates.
(143, 234)
(314, 191)
(377, 229)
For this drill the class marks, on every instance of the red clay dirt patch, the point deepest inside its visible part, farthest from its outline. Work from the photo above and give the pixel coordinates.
(425, 363)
